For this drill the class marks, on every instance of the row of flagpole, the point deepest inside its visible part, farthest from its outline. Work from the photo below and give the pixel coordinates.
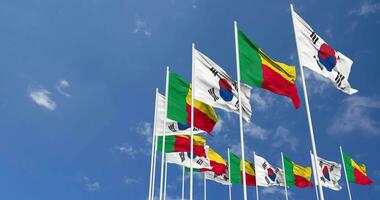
(163, 176)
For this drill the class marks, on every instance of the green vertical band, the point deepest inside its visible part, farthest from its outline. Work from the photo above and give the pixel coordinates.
(235, 169)
(289, 173)
(178, 90)
(349, 168)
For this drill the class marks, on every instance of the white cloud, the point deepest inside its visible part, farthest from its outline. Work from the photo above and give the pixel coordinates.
(41, 97)
(91, 185)
(366, 8)
(315, 83)
(145, 129)
(266, 191)
(127, 149)
(218, 127)
(62, 84)
(142, 27)
(283, 137)
(355, 114)
(262, 100)
(130, 180)
(255, 131)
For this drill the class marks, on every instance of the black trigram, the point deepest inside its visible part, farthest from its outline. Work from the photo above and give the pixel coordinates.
(172, 128)
(214, 71)
(339, 79)
(199, 162)
(267, 180)
(264, 165)
(211, 91)
(314, 37)
(182, 156)
(237, 105)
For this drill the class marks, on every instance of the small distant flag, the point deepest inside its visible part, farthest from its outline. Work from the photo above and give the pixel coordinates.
(315, 54)
(216, 88)
(183, 159)
(356, 173)
(296, 175)
(236, 167)
(266, 174)
(329, 173)
(181, 143)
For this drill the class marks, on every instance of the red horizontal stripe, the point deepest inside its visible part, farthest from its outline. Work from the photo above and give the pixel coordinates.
(182, 144)
(249, 179)
(201, 120)
(218, 168)
(275, 83)
(361, 178)
(301, 182)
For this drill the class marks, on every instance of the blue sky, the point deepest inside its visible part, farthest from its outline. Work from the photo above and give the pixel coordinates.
(78, 78)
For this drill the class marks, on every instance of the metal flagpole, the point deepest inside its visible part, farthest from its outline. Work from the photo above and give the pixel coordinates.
(307, 108)
(315, 178)
(154, 165)
(345, 173)
(151, 185)
(192, 122)
(183, 182)
(257, 187)
(166, 176)
(283, 168)
(229, 175)
(240, 111)
(164, 128)
(204, 186)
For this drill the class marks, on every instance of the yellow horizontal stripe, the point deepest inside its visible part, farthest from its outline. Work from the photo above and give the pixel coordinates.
(249, 168)
(198, 140)
(286, 71)
(212, 155)
(360, 167)
(302, 171)
(205, 108)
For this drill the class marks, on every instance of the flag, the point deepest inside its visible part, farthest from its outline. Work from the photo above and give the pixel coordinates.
(222, 178)
(179, 105)
(315, 54)
(259, 70)
(236, 173)
(329, 173)
(356, 173)
(181, 143)
(217, 164)
(183, 159)
(172, 127)
(296, 175)
(266, 174)
(216, 88)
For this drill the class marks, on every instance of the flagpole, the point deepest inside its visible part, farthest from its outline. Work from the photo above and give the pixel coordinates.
(166, 175)
(183, 182)
(164, 128)
(307, 108)
(229, 175)
(154, 165)
(151, 185)
(283, 167)
(204, 186)
(257, 187)
(240, 111)
(345, 173)
(315, 179)
(192, 122)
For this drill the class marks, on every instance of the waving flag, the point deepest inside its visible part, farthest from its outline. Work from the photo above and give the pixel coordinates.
(329, 173)
(266, 174)
(296, 175)
(237, 171)
(259, 70)
(356, 173)
(183, 159)
(317, 55)
(172, 127)
(181, 143)
(179, 105)
(216, 88)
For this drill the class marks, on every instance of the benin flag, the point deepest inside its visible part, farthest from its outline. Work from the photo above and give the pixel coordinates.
(237, 171)
(259, 70)
(296, 175)
(181, 143)
(356, 173)
(179, 105)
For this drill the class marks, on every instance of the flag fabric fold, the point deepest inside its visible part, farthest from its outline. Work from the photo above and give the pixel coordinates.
(266, 174)
(296, 175)
(259, 70)
(183, 159)
(329, 173)
(236, 167)
(179, 106)
(356, 173)
(181, 143)
(315, 54)
(216, 88)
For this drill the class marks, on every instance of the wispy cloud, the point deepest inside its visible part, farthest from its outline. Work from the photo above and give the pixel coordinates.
(145, 129)
(130, 180)
(62, 85)
(366, 8)
(42, 98)
(262, 100)
(91, 185)
(194, 4)
(355, 114)
(266, 191)
(256, 131)
(283, 137)
(127, 149)
(142, 28)
(219, 126)
(316, 83)
(329, 33)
